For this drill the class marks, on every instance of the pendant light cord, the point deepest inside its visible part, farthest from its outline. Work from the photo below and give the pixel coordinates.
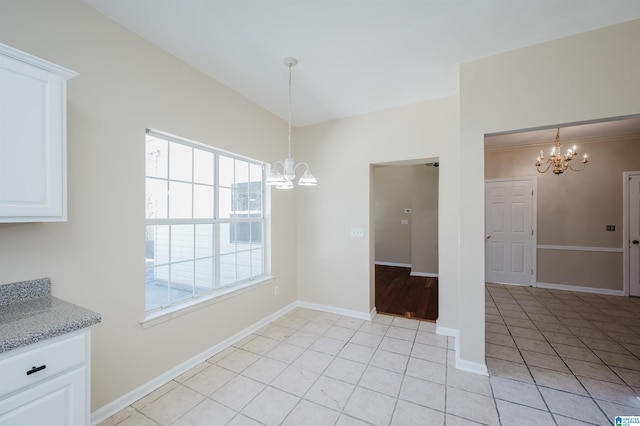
(289, 110)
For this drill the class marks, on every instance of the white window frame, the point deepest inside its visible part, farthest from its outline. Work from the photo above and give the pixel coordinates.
(218, 291)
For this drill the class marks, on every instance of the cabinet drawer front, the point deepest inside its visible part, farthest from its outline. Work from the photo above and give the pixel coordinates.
(41, 362)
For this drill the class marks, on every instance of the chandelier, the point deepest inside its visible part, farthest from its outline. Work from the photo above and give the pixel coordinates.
(559, 162)
(284, 179)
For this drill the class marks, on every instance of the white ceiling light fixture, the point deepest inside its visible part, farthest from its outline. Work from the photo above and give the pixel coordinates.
(284, 179)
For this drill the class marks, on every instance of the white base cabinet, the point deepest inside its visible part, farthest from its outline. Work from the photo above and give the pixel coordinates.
(33, 155)
(47, 383)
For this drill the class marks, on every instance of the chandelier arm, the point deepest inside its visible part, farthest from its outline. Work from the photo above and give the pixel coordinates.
(302, 163)
(545, 170)
(578, 170)
(278, 163)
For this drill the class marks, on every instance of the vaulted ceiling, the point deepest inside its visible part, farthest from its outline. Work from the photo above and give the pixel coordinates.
(355, 56)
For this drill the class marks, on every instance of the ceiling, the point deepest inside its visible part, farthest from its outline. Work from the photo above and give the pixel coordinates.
(581, 133)
(355, 56)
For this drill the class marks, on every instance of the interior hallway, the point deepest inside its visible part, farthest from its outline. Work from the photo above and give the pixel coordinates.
(555, 358)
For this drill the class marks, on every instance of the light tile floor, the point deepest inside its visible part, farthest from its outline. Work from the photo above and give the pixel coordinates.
(562, 358)
(555, 358)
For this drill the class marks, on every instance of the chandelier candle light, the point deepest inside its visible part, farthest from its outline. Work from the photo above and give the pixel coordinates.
(558, 161)
(284, 179)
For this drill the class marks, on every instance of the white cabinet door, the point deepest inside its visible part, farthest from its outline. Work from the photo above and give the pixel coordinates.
(32, 138)
(56, 402)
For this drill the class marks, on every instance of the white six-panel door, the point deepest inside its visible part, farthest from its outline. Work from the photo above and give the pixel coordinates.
(634, 235)
(509, 227)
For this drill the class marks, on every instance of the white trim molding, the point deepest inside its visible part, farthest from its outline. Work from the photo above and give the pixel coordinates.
(401, 265)
(566, 287)
(461, 364)
(423, 274)
(331, 309)
(581, 248)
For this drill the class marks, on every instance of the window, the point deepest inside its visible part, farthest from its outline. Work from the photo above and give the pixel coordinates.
(205, 220)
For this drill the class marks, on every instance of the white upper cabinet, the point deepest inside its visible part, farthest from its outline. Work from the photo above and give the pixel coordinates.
(33, 155)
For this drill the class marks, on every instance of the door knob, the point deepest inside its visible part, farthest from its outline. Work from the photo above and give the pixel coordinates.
(489, 237)
(635, 241)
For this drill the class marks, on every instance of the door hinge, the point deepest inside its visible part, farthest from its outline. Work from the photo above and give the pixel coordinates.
(532, 272)
(532, 232)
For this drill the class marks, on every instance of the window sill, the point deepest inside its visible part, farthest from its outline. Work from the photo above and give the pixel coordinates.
(172, 312)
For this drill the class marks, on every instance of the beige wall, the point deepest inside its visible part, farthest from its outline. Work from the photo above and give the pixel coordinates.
(586, 77)
(96, 259)
(574, 208)
(424, 228)
(393, 193)
(335, 269)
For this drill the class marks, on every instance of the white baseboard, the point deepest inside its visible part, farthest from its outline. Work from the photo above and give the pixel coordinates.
(447, 331)
(334, 310)
(461, 364)
(423, 274)
(471, 367)
(402, 265)
(124, 401)
(565, 287)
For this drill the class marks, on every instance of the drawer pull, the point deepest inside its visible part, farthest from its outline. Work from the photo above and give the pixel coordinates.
(36, 369)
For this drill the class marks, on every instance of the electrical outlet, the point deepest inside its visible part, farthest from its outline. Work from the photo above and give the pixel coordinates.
(276, 291)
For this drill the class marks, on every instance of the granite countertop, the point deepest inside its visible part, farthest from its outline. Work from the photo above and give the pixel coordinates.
(29, 314)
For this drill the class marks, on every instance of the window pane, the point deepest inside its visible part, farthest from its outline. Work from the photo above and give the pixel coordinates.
(157, 287)
(180, 200)
(181, 243)
(160, 236)
(227, 269)
(202, 202)
(203, 166)
(225, 169)
(157, 157)
(242, 172)
(257, 265)
(156, 199)
(204, 275)
(256, 234)
(204, 241)
(181, 281)
(180, 162)
(255, 173)
(224, 203)
(227, 242)
(244, 265)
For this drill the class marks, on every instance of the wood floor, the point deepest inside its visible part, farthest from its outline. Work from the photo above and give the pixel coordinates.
(398, 293)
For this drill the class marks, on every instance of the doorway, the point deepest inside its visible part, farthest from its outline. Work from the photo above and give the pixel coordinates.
(405, 207)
